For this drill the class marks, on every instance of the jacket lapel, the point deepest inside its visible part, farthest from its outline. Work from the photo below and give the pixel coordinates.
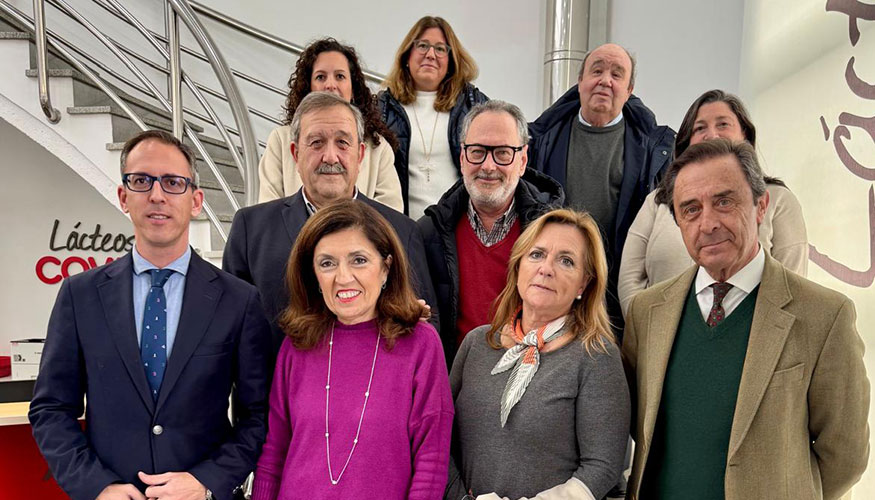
(199, 301)
(294, 215)
(663, 323)
(768, 333)
(116, 296)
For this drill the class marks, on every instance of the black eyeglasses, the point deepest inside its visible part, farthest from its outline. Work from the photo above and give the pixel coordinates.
(170, 184)
(440, 49)
(501, 155)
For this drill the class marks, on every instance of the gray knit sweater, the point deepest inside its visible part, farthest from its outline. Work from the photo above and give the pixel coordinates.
(573, 420)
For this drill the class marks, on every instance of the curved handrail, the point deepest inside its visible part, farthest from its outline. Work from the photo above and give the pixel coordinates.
(214, 118)
(76, 16)
(235, 98)
(45, 97)
(24, 21)
(264, 36)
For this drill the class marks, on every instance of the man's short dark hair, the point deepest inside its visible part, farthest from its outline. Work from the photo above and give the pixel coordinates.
(631, 58)
(709, 150)
(163, 137)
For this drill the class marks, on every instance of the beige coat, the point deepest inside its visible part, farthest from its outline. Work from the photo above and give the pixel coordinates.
(278, 177)
(800, 428)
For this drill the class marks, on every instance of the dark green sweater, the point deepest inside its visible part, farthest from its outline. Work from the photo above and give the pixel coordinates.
(687, 458)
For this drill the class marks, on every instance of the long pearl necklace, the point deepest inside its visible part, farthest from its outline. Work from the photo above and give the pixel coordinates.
(355, 441)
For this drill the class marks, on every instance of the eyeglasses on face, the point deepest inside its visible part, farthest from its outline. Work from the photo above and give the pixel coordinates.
(440, 49)
(501, 155)
(170, 184)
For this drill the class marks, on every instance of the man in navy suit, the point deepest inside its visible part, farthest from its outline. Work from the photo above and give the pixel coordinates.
(327, 147)
(156, 341)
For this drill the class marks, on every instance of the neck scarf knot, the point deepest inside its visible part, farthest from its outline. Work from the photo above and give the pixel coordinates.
(524, 358)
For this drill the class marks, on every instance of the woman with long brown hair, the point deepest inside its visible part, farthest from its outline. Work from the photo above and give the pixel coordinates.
(360, 404)
(330, 66)
(428, 93)
(654, 248)
(542, 404)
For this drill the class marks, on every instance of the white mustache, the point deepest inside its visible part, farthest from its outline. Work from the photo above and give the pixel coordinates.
(330, 168)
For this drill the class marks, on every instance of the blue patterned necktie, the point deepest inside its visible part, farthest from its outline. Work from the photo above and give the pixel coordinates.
(153, 344)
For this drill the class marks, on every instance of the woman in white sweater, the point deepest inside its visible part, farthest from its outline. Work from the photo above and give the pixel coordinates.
(327, 65)
(654, 249)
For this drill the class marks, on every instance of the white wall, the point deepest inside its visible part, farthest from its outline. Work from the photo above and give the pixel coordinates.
(36, 190)
(683, 48)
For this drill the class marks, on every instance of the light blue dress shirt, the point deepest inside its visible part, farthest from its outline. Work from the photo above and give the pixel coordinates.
(173, 290)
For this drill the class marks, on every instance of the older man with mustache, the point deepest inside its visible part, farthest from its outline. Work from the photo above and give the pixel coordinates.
(469, 233)
(327, 145)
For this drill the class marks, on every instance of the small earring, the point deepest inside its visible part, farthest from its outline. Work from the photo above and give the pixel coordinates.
(384, 285)
(579, 296)
(320, 289)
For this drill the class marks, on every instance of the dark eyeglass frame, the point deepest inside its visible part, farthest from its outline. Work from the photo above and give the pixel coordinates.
(126, 180)
(491, 150)
(413, 46)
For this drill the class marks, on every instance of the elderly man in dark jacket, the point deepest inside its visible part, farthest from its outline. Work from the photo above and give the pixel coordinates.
(469, 233)
(604, 147)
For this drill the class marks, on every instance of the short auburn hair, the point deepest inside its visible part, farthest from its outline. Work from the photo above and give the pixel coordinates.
(307, 319)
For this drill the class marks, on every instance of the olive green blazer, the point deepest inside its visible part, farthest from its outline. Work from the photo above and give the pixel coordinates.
(800, 427)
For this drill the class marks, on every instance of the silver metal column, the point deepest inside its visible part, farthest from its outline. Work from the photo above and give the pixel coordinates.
(573, 27)
(174, 80)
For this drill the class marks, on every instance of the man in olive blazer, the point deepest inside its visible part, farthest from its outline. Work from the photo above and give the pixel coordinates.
(798, 426)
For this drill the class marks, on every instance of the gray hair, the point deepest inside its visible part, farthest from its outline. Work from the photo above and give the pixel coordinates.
(315, 101)
(497, 106)
(716, 148)
(631, 58)
(163, 137)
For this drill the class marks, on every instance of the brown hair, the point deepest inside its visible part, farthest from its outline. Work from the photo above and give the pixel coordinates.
(163, 137)
(685, 133)
(307, 319)
(299, 87)
(461, 68)
(588, 318)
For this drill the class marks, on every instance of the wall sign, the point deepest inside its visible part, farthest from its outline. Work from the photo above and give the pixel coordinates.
(51, 269)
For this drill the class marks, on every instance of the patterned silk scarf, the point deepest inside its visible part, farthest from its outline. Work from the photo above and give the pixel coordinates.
(524, 358)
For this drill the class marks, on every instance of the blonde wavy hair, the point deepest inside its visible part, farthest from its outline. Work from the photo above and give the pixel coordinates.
(588, 318)
(461, 68)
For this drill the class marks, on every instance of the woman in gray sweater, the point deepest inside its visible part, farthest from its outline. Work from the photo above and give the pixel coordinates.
(542, 405)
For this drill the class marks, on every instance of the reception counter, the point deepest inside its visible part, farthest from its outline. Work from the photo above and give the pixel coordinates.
(23, 472)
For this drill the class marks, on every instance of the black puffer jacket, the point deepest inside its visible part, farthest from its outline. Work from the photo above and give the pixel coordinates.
(396, 119)
(647, 152)
(536, 194)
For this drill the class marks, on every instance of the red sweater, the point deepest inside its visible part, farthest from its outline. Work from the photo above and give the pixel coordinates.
(482, 274)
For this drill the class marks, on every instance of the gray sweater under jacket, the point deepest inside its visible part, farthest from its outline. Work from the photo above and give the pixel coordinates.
(573, 420)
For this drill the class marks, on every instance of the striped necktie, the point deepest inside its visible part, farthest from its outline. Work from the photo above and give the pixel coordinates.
(153, 336)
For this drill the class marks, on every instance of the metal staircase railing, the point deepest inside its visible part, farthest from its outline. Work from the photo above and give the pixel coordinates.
(243, 154)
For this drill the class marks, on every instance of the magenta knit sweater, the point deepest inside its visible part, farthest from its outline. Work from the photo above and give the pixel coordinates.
(403, 448)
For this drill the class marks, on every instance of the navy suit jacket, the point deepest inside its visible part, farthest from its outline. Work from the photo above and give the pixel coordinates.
(222, 342)
(261, 240)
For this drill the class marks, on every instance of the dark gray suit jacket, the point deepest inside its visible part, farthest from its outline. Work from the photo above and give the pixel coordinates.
(261, 241)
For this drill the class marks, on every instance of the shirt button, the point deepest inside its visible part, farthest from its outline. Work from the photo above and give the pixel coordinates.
(157, 430)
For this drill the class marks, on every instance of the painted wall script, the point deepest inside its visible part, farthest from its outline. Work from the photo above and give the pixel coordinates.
(855, 11)
(50, 269)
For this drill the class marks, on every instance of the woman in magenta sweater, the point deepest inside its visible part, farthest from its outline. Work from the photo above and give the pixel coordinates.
(360, 405)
